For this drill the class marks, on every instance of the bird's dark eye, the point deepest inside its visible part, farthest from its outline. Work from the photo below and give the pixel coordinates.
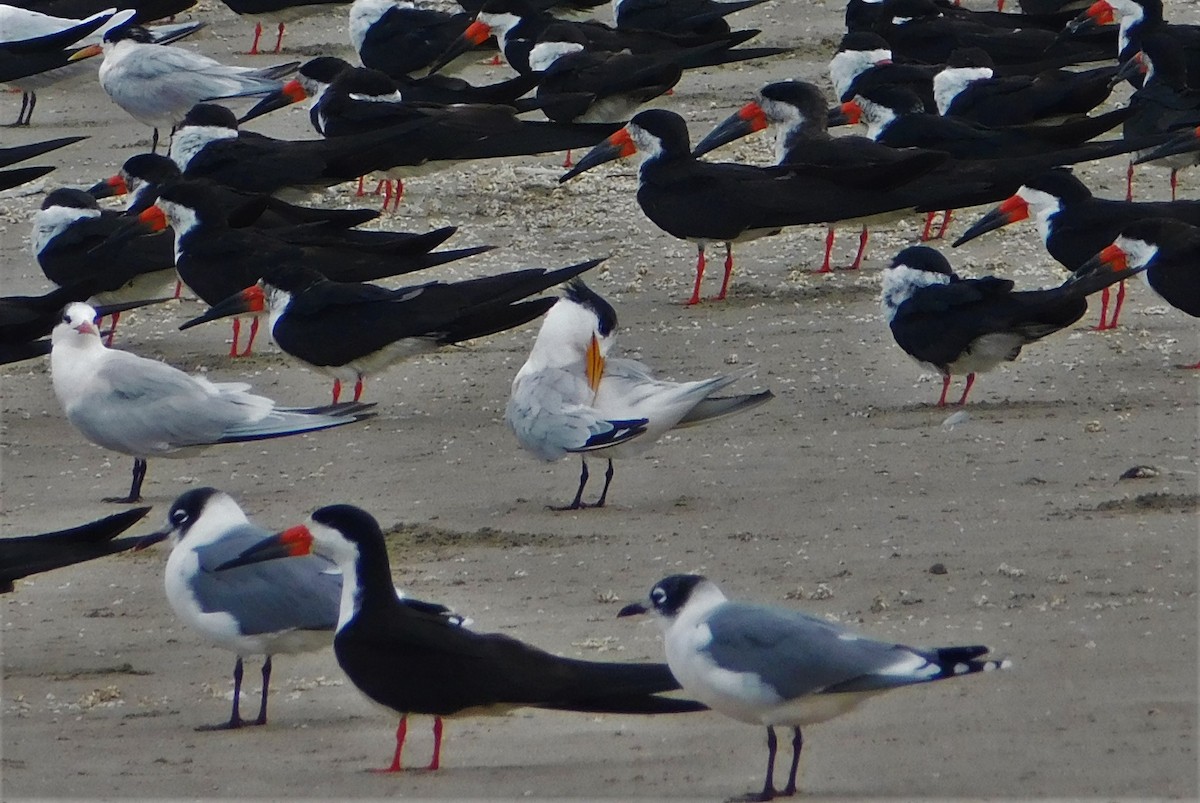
(66, 319)
(179, 517)
(658, 596)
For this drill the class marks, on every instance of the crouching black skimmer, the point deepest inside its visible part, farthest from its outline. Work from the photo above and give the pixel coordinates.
(677, 16)
(517, 25)
(398, 38)
(1075, 224)
(69, 239)
(20, 175)
(704, 202)
(417, 663)
(352, 330)
(1137, 20)
(1168, 251)
(953, 326)
(215, 260)
(146, 408)
(23, 555)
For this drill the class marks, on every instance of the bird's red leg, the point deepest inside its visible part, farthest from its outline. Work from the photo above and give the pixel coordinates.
(970, 381)
(253, 333)
(695, 299)
(178, 288)
(401, 732)
(237, 331)
(1174, 181)
(495, 62)
(1112, 322)
(1104, 295)
(928, 226)
(386, 187)
(946, 218)
(945, 387)
(112, 330)
(279, 40)
(436, 762)
(829, 235)
(999, 5)
(728, 272)
(862, 248)
(1129, 183)
(360, 193)
(1193, 367)
(337, 390)
(399, 194)
(253, 51)
(358, 388)
(567, 162)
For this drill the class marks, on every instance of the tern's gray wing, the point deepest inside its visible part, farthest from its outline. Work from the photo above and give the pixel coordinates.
(144, 407)
(294, 594)
(549, 414)
(796, 654)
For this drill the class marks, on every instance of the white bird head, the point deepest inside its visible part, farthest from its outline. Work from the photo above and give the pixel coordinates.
(199, 517)
(581, 326)
(672, 595)
(78, 325)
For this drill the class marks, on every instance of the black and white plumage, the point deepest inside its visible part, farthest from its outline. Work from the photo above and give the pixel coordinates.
(415, 662)
(26, 320)
(780, 667)
(146, 408)
(572, 397)
(23, 555)
(951, 325)
(352, 330)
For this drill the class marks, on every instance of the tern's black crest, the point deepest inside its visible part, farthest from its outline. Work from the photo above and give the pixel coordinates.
(153, 168)
(1062, 184)
(188, 507)
(71, 198)
(671, 593)
(135, 33)
(211, 115)
(324, 69)
(583, 295)
(922, 257)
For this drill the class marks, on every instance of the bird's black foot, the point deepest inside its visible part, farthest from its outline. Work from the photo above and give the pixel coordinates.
(122, 500)
(754, 797)
(231, 725)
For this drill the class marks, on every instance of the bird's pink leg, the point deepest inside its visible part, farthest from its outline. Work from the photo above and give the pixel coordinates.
(399, 194)
(945, 387)
(237, 331)
(178, 288)
(928, 226)
(829, 235)
(1104, 296)
(401, 732)
(862, 248)
(695, 299)
(253, 51)
(337, 390)
(358, 388)
(1129, 183)
(279, 40)
(253, 334)
(1192, 367)
(970, 381)
(946, 218)
(359, 193)
(567, 162)
(436, 762)
(1112, 323)
(728, 272)
(112, 330)
(1174, 182)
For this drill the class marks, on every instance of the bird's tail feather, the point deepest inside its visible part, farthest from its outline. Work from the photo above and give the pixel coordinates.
(718, 406)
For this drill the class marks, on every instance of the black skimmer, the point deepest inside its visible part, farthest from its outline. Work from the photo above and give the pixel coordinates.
(773, 666)
(1168, 253)
(68, 239)
(158, 84)
(418, 663)
(145, 11)
(573, 397)
(398, 38)
(969, 88)
(277, 11)
(863, 15)
(677, 16)
(29, 57)
(23, 555)
(517, 26)
(1164, 104)
(864, 59)
(146, 408)
(1075, 224)
(1138, 19)
(953, 326)
(352, 330)
(26, 320)
(20, 175)
(12, 18)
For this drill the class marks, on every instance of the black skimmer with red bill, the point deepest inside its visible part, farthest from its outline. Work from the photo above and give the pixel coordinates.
(951, 325)
(1168, 253)
(26, 320)
(678, 16)
(146, 408)
(215, 260)
(1138, 19)
(68, 237)
(517, 25)
(19, 153)
(1075, 225)
(864, 58)
(398, 38)
(157, 84)
(772, 666)
(353, 330)
(418, 663)
(23, 555)
(706, 202)
(280, 12)
(573, 395)
(1164, 104)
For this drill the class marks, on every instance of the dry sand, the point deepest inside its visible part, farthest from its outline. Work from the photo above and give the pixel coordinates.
(837, 497)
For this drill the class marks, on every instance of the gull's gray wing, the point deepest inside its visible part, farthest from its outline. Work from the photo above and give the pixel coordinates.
(549, 413)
